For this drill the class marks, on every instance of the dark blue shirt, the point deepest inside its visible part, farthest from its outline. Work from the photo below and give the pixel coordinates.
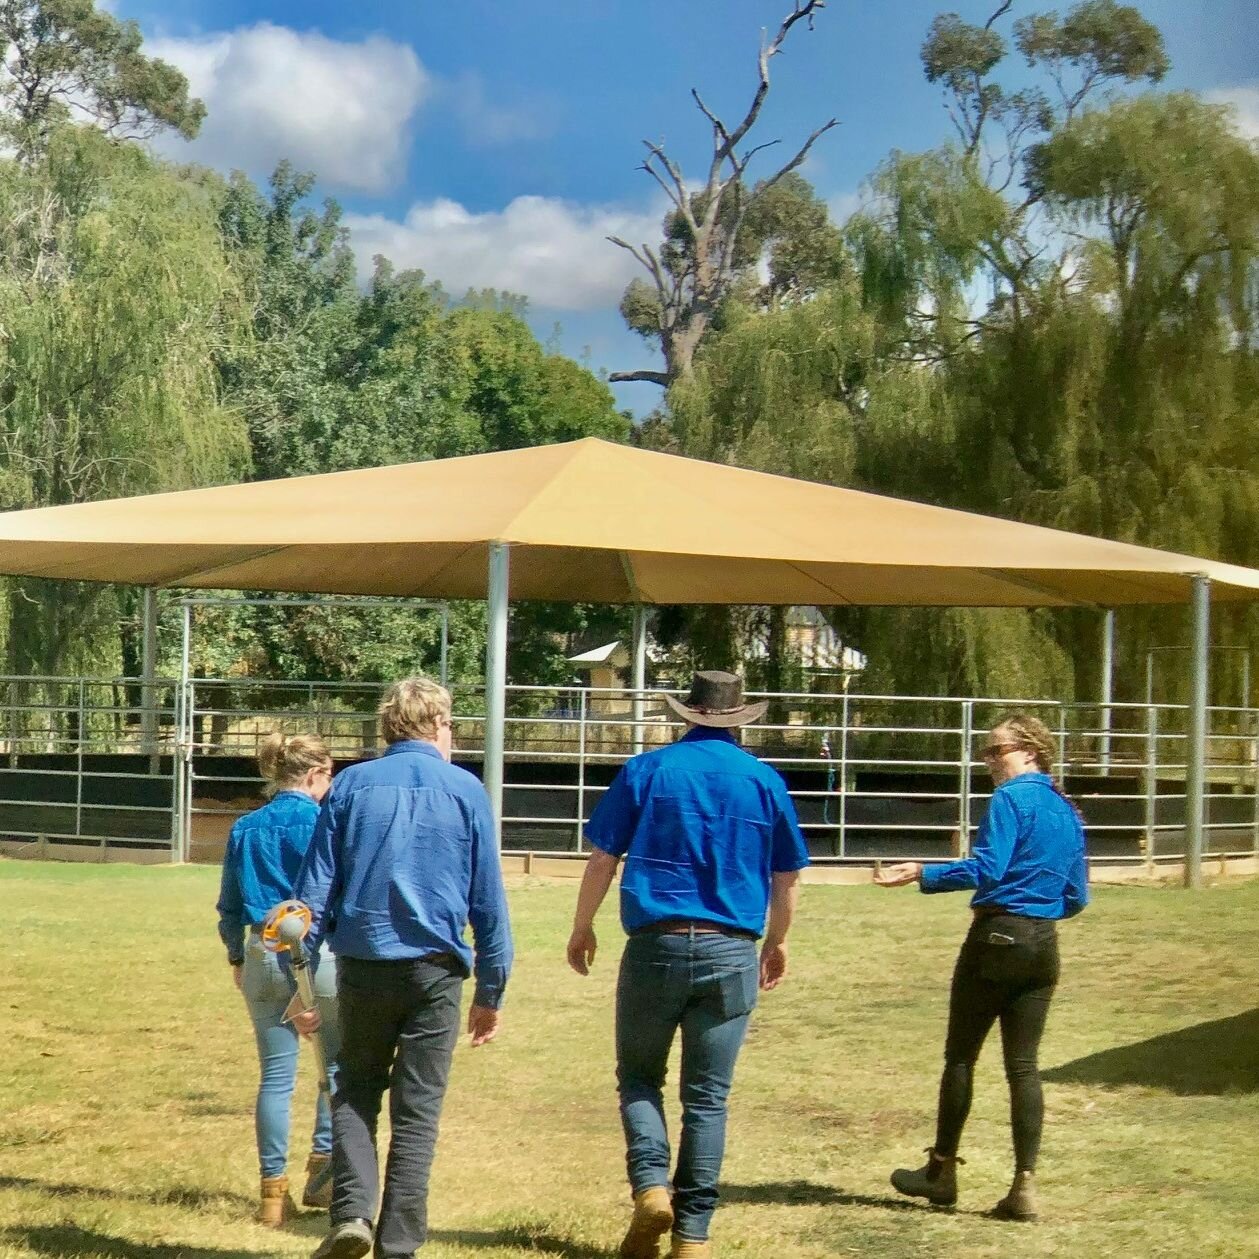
(264, 854)
(702, 825)
(403, 859)
(1028, 858)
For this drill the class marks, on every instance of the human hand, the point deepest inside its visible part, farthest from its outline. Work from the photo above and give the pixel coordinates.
(898, 875)
(238, 976)
(773, 965)
(307, 1022)
(482, 1025)
(582, 945)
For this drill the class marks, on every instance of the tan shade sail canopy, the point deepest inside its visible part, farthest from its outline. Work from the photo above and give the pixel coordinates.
(590, 520)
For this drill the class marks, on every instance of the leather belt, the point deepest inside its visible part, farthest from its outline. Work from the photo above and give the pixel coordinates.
(684, 926)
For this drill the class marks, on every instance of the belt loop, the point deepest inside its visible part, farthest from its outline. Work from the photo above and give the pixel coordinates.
(690, 932)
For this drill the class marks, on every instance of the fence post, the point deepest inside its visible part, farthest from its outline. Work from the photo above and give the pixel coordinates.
(1151, 784)
(78, 777)
(1254, 780)
(843, 778)
(963, 787)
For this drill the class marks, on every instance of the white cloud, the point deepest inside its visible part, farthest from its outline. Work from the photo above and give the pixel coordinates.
(485, 123)
(554, 252)
(1245, 104)
(338, 108)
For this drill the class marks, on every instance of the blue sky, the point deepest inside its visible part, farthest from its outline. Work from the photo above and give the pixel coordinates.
(497, 143)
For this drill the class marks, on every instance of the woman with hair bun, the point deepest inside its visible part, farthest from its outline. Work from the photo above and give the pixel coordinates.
(264, 854)
(1027, 870)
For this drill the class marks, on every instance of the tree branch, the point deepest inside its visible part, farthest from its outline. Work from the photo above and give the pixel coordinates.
(801, 154)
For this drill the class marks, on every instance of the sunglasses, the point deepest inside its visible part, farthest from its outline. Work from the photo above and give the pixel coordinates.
(998, 749)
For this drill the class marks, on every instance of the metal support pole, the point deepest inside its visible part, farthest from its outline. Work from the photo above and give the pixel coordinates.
(963, 785)
(639, 679)
(1108, 683)
(148, 691)
(581, 767)
(1195, 776)
(496, 678)
(181, 761)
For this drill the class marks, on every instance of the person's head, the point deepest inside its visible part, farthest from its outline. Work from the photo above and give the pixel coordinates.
(716, 700)
(296, 762)
(416, 708)
(1019, 744)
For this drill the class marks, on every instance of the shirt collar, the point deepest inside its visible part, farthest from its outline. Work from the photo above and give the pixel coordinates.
(414, 745)
(299, 795)
(699, 733)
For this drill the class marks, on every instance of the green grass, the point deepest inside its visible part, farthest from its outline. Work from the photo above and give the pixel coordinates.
(127, 1075)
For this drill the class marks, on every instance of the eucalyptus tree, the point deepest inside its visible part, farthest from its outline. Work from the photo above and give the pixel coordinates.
(67, 60)
(694, 268)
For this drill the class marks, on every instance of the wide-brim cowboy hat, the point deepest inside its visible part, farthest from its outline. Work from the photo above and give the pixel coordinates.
(716, 699)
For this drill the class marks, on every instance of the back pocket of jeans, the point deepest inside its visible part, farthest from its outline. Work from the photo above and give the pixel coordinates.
(736, 992)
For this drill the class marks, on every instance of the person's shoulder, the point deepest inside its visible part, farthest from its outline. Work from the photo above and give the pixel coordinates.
(459, 780)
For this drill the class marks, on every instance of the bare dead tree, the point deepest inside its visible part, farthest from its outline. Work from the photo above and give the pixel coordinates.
(692, 271)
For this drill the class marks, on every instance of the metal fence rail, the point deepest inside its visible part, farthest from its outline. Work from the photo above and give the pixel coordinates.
(108, 763)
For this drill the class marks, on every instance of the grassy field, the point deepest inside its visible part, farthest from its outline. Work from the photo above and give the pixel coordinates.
(127, 1076)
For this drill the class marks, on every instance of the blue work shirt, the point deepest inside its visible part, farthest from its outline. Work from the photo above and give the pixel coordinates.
(403, 859)
(264, 853)
(702, 825)
(1028, 858)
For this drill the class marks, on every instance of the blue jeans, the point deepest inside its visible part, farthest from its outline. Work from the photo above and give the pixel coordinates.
(705, 984)
(268, 989)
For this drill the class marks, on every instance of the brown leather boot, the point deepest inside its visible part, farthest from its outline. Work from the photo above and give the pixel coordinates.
(275, 1207)
(936, 1181)
(653, 1217)
(684, 1249)
(318, 1190)
(1020, 1202)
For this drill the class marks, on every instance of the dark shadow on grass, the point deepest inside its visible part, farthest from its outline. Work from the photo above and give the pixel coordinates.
(191, 1196)
(69, 1239)
(521, 1237)
(797, 1193)
(1221, 1056)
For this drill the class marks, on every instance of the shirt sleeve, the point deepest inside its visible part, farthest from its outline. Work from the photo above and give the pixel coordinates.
(487, 910)
(612, 824)
(1075, 895)
(788, 851)
(990, 857)
(231, 905)
(318, 882)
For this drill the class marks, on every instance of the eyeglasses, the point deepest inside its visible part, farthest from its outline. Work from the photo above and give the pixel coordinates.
(994, 750)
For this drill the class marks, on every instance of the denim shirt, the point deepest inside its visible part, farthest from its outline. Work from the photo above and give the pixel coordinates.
(403, 859)
(703, 826)
(1028, 858)
(264, 853)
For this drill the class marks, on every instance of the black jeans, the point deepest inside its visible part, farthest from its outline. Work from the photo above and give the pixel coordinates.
(400, 1022)
(1007, 970)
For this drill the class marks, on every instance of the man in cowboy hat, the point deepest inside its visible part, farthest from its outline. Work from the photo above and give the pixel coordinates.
(711, 843)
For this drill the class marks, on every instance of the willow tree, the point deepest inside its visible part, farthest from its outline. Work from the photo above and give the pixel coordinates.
(115, 298)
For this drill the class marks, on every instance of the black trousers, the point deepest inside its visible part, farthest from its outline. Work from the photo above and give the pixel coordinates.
(1006, 971)
(400, 1022)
